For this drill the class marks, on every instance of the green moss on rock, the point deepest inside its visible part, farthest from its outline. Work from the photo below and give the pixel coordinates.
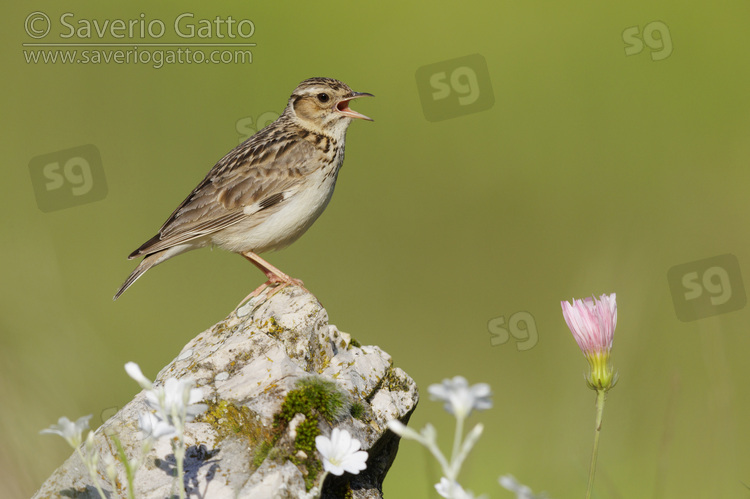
(315, 398)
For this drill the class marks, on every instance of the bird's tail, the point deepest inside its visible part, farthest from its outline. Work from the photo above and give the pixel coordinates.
(142, 267)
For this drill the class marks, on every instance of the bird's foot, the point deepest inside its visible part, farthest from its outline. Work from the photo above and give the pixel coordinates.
(276, 282)
(279, 282)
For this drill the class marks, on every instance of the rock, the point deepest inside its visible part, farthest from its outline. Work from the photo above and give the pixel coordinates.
(256, 368)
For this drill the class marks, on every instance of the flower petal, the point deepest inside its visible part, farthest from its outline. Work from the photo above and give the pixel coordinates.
(134, 371)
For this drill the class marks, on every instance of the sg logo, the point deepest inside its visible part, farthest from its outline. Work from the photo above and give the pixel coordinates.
(68, 178)
(521, 326)
(463, 81)
(456, 87)
(707, 287)
(107, 413)
(661, 46)
(247, 127)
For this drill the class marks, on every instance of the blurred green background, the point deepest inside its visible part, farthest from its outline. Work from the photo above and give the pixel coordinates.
(592, 172)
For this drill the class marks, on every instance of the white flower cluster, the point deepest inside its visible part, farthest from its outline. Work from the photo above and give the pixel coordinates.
(174, 403)
(461, 400)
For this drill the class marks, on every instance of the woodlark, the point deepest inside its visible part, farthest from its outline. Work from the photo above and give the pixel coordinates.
(265, 193)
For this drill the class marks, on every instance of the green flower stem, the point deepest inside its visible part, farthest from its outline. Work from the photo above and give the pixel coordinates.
(315, 493)
(600, 396)
(129, 470)
(179, 454)
(92, 472)
(457, 438)
(179, 451)
(130, 473)
(178, 447)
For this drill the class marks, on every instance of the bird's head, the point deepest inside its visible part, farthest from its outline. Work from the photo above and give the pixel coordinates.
(322, 105)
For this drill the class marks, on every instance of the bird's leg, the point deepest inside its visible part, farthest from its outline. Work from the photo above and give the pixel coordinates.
(275, 277)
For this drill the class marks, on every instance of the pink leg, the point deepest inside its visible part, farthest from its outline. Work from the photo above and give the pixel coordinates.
(275, 277)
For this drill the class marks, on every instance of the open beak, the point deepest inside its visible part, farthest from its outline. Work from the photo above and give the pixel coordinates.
(343, 106)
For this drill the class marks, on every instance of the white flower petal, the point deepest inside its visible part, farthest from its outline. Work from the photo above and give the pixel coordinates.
(323, 444)
(455, 492)
(355, 462)
(134, 371)
(443, 487)
(152, 426)
(510, 483)
(196, 395)
(70, 431)
(332, 468)
(340, 453)
(459, 398)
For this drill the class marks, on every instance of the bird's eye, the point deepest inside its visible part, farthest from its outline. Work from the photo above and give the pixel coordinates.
(323, 98)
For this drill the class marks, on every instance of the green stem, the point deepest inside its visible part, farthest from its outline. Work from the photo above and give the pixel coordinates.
(178, 447)
(600, 396)
(131, 484)
(322, 479)
(129, 471)
(92, 473)
(180, 458)
(456, 446)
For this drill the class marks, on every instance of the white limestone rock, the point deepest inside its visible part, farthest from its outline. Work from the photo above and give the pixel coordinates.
(246, 365)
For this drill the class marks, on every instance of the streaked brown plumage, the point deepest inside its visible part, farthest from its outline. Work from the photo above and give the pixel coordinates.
(265, 193)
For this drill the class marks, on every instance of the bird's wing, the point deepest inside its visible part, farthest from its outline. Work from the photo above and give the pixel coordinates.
(248, 182)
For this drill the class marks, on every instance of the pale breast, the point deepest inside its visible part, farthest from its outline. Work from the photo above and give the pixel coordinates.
(288, 220)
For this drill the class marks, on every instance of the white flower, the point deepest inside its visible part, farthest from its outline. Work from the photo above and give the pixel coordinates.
(70, 431)
(460, 398)
(152, 426)
(176, 397)
(134, 371)
(509, 482)
(456, 492)
(444, 487)
(174, 401)
(90, 443)
(445, 490)
(341, 453)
